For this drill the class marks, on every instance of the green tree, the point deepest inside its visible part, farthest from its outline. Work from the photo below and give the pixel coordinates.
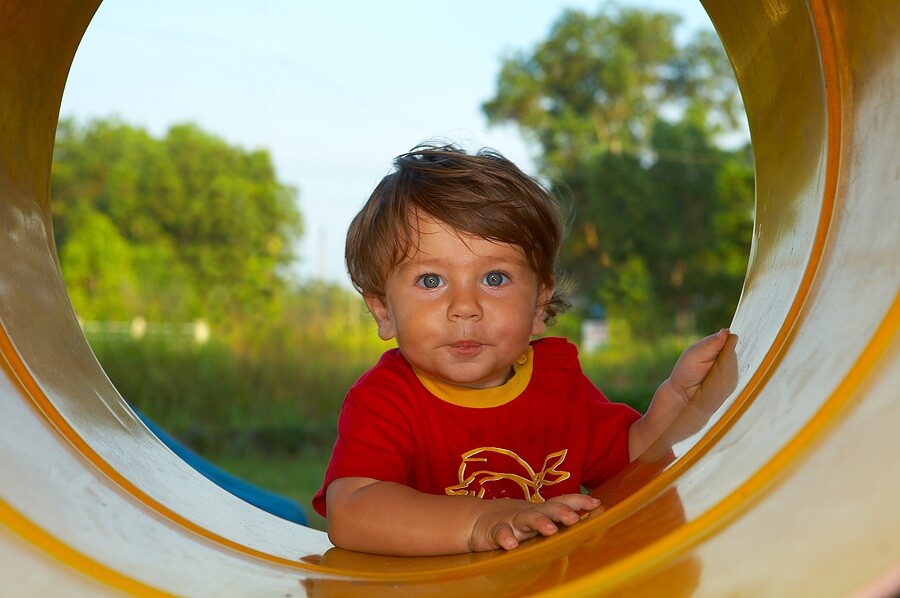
(207, 225)
(702, 239)
(598, 83)
(99, 270)
(116, 169)
(235, 222)
(663, 245)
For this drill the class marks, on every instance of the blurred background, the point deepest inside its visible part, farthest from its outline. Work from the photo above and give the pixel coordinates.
(210, 156)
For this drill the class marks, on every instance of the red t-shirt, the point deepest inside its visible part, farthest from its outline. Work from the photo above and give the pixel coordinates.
(558, 434)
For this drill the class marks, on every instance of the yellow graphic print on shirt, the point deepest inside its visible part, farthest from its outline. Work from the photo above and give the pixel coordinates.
(499, 473)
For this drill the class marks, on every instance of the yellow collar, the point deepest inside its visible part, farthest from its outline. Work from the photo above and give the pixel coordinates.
(483, 397)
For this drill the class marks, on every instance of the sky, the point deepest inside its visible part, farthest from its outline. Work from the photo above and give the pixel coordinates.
(333, 90)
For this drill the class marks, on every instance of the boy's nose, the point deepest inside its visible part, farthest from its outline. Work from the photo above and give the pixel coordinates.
(464, 305)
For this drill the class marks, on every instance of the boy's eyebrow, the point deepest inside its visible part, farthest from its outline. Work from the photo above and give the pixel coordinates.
(442, 261)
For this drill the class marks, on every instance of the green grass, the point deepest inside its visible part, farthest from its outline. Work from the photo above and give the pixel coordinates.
(194, 388)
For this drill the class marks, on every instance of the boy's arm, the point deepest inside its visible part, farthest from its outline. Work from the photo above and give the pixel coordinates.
(369, 515)
(675, 392)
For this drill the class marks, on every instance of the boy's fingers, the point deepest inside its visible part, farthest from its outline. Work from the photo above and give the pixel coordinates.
(560, 512)
(503, 536)
(588, 503)
(721, 337)
(537, 521)
(579, 502)
(543, 519)
(713, 343)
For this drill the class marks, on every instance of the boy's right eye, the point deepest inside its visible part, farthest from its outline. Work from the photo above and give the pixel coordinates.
(429, 281)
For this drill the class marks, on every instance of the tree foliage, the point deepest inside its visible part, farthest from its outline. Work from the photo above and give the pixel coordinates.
(598, 83)
(626, 122)
(181, 227)
(664, 246)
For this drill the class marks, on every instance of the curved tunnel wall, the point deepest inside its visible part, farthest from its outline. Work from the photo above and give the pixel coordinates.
(91, 501)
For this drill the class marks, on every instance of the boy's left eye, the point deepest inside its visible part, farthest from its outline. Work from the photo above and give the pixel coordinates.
(495, 279)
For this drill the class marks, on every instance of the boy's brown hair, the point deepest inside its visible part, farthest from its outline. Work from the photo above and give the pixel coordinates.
(483, 195)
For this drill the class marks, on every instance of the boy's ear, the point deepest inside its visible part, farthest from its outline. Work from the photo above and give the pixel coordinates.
(379, 309)
(538, 325)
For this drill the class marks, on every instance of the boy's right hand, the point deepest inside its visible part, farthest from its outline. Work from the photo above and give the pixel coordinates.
(504, 523)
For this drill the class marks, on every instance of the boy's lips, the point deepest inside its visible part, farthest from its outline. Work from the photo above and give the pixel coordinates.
(465, 347)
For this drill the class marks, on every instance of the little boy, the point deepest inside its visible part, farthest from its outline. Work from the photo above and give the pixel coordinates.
(455, 256)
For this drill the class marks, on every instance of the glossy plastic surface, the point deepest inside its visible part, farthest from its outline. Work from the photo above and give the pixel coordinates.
(781, 480)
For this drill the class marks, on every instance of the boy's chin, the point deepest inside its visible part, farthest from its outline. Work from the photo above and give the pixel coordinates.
(491, 380)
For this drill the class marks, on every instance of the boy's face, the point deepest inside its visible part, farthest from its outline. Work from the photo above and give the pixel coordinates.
(462, 308)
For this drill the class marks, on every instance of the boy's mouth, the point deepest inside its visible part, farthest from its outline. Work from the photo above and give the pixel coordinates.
(465, 347)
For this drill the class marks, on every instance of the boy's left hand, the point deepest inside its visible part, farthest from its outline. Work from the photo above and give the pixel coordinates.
(695, 363)
(674, 394)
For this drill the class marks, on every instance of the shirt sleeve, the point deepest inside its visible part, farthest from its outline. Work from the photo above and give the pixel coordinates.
(607, 445)
(373, 441)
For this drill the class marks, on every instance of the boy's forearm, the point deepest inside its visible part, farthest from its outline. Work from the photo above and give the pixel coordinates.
(392, 519)
(667, 403)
